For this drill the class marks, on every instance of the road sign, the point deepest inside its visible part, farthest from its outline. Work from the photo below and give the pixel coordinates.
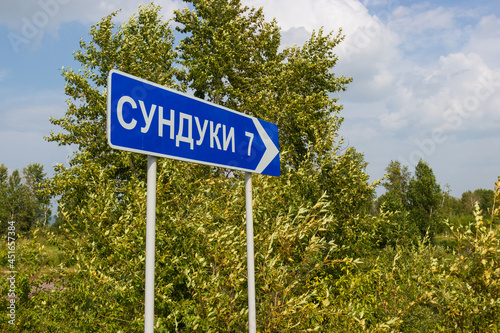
(147, 118)
(144, 117)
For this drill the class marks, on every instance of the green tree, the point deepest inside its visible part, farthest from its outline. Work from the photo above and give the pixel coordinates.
(485, 200)
(396, 225)
(233, 57)
(484, 197)
(226, 48)
(20, 208)
(451, 205)
(142, 46)
(23, 199)
(35, 181)
(468, 201)
(424, 198)
(4, 214)
(396, 185)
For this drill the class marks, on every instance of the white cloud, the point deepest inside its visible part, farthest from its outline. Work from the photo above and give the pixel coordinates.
(295, 36)
(312, 15)
(377, 2)
(458, 93)
(425, 32)
(50, 14)
(29, 20)
(420, 19)
(485, 40)
(393, 121)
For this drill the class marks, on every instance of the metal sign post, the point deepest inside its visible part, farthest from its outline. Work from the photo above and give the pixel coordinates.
(252, 322)
(149, 298)
(144, 117)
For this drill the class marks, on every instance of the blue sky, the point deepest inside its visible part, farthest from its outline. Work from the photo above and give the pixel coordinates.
(426, 77)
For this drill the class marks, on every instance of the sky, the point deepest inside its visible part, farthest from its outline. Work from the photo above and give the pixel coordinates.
(426, 77)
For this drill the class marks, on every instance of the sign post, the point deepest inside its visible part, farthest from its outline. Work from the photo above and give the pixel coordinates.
(252, 321)
(147, 118)
(149, 297)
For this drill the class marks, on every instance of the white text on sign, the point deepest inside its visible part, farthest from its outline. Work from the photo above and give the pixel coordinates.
(221, 137)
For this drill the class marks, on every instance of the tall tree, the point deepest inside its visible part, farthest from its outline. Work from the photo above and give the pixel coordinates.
(396, 184)
(232, 57)
(19, 206)
(142, 46)
(486, 198)
(451, 206)
(4, 175)
(483, 197)
(225, 48)
(4, 214)
(424, 198)
(35, 181)
(23, 198)
(468, 201)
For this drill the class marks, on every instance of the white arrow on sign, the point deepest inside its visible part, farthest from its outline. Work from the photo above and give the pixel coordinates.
(271, 149)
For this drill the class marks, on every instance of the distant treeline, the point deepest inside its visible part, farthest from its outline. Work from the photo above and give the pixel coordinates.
(24, 199)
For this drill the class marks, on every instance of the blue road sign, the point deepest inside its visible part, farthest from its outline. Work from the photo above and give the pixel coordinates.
(147, 118)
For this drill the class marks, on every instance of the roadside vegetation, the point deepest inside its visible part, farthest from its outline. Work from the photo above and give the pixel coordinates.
(329, 255)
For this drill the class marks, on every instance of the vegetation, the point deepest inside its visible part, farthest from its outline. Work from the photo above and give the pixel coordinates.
(328, 256)
(24, 198)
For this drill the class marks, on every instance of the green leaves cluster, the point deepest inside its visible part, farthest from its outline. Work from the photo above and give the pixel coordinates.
(417, 201)
(24, 198)
(424, 196)
(421, 288)
(200, 255)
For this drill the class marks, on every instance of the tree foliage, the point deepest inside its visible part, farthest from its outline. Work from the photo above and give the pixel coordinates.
(424, 197)
(37, 193)
(483, 197)
(4, 176)
(305, 282)
(396, 185)
(232, 56)
(415, 203)
(142, 46)
(23, 198)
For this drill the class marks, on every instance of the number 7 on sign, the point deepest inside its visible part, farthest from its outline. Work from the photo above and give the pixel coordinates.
(250, 135)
